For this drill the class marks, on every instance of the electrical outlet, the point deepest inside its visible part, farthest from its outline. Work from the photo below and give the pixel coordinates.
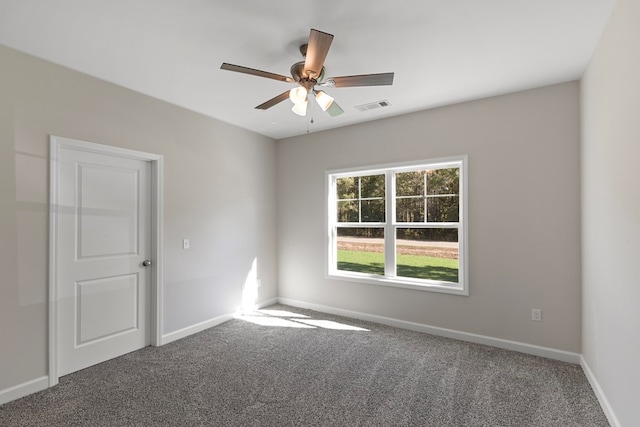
(536, 314)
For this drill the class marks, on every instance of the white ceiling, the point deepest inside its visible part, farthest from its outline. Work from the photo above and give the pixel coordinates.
(442, 51)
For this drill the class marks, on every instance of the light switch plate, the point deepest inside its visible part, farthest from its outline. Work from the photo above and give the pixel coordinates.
(185, 243)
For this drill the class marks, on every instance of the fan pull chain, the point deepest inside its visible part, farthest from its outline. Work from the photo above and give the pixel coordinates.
(310, 122)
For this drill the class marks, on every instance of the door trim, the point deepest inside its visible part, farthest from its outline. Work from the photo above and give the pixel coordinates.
(56, 144)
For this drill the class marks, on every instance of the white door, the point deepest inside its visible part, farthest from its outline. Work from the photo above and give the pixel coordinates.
(103, 230)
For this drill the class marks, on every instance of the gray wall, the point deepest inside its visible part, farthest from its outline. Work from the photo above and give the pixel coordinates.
(219, 191)
(524, 214)
(524, 156)
(611, 212)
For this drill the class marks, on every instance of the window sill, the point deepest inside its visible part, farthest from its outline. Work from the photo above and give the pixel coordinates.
(440, 287)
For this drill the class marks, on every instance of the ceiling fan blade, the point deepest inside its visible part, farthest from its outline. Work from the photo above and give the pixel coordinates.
(254, 72)
(334, 109)
(273, 101)
(317, 49)
(382, 79)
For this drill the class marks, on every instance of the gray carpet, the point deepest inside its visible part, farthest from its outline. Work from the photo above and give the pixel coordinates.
(281, 369)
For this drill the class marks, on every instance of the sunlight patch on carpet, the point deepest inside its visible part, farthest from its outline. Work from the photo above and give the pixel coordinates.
(274, 321)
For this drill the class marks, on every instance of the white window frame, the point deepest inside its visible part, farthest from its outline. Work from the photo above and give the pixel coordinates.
(390, 225)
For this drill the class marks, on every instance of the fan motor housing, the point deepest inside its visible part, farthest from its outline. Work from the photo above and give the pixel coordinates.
(297, 72)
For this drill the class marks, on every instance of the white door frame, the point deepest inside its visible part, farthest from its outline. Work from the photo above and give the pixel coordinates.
(56, 143)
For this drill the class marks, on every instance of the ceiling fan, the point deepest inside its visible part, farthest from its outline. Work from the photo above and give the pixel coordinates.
(311, 73)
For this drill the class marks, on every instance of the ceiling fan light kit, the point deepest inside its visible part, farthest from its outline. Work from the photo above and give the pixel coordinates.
(323, 100)
(298, 94)
(309, 73)
(300, 108)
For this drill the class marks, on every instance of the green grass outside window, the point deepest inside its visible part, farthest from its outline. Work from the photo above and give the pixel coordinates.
(414, 266)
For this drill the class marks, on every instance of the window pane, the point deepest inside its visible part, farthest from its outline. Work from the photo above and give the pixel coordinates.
(427, 253)
(347, 188)
(443, 209)
(425, 203)
(348, 211)
(443, 181)
(410, 183)
(372, 186)
(361, 199)
(410, 209)
(361, 250)
(372, 211)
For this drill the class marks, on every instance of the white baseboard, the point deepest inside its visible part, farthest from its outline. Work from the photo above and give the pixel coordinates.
(42, 383)
(597, 390)
(267, 303)
(24, 389)
(199, 327)
(550, 353)
(194, 329)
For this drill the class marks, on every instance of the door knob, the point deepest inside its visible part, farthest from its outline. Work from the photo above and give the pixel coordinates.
(146, 263)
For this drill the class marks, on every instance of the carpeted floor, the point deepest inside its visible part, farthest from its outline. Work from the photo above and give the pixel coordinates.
(286, 366)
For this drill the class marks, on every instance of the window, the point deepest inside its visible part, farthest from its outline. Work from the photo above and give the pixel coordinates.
(400, 225)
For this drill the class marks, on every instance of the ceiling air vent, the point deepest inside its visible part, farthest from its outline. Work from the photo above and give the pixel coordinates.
(372, 105)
